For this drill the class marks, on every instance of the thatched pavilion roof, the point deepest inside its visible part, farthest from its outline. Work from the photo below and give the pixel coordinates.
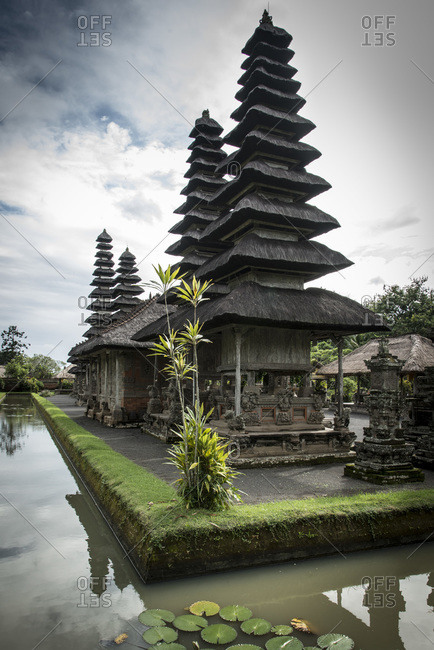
(415, 350)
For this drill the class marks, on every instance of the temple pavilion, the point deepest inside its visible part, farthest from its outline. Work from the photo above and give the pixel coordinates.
(254, 236)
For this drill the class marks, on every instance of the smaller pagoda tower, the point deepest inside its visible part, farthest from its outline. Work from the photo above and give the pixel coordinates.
(103, 281)
(384, 457)
(127, 290)
(203, 182)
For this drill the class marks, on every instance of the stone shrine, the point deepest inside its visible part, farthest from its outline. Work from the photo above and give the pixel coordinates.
(419, 428)
(384, 457)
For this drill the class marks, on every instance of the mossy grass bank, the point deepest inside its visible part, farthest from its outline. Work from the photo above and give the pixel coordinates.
(165, 541)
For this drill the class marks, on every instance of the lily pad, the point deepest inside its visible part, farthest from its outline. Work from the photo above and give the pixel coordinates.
(244, 646)
(256, 626)
(190, 622)
(149, 619)
(335, 642)
(281, 630)
(235, 613)
(219, 633)
(160, 633)
(204, 607)
(167, 646)
(284, 643)
(154, 617)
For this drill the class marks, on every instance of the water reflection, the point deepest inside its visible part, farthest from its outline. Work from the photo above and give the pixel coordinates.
(102, 555)
(14, 419)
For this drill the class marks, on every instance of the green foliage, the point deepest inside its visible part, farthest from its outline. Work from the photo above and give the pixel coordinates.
(206, 607)
(350, 388)
(219, 634)
(42, 367)
(12, 344)
(235, 613)
(256, 626)
(31, 385)
(408, 309)
(18, 368)
(200, 456)
(190, 622)
(206, 480)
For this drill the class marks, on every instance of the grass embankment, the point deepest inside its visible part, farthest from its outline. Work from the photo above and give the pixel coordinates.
(173, 542)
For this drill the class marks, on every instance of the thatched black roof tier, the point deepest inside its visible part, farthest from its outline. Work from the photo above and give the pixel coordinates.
(104, 237)
(269, 119)
(191, 261)
(202, 181)
(271, 53)
(271, 97)
(267, 33)
(261, 77)
(274, 144)
(193, 217)
(127, 290)
(202, 140)
(103, 271)
(205, 125)
(307, 259)
(102, 282)
(200, 165)
(258, 209)
(264, 174)
(118, 334)
(189, 243)
(201, 151)
(195, 200)
(322, 312)
(267, 72)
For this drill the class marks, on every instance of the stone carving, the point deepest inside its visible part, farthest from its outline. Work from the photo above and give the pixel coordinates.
(235, 422)
(342, 421)
(249, 401)
(284, 400)
(284, 418)
(383, 457)
(251, 418)
(316, 417)
(154, 403)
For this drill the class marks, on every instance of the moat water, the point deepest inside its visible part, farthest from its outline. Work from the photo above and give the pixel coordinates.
(65, 582)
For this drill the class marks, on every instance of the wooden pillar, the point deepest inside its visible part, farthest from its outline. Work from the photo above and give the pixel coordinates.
(237, 371)
(340, 379)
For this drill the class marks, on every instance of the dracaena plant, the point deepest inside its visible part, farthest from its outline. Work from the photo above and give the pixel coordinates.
(206, 481)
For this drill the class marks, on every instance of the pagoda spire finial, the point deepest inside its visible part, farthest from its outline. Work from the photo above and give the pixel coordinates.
(266, 18)
(205, 113)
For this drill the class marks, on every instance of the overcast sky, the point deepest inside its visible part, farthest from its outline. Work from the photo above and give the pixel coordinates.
(94, 123)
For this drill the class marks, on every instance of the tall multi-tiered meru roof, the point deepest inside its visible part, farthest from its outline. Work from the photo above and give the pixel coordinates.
(204, 181)
(126, 290)
(103, 281)
(257, 245)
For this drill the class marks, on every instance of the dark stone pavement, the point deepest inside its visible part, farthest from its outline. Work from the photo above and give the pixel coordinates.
(258, 484)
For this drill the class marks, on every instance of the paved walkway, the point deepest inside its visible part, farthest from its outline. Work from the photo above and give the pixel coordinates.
(259, 485)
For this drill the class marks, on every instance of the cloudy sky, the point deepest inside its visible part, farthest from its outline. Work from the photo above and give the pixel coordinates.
(94, 122)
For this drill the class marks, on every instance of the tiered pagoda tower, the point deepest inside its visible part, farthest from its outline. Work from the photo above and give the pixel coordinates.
(103, 282)
(126, 290)
(257, 248)
(206, 154)
(266, 222)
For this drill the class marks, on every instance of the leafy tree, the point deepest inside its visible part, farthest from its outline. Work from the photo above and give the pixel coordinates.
(43, 367)
(12, 344)
(408, 309)
(18, 368)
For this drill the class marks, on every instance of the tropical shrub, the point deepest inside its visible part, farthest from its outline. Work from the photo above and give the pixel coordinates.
(206, 481)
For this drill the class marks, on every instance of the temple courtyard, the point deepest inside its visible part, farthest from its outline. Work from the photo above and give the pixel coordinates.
(258, 484)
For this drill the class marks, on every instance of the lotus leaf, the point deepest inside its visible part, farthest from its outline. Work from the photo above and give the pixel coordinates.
(244, 646)
(281, 630)
(167, 646)
(284, 643)
(150, 619)
(256, 626)
(160, 633)
(204, 607)
(335, 642)
(190, 622)
(219, 633)
(235, 613)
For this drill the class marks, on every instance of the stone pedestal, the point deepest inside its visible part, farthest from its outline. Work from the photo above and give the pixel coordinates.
(384, 457)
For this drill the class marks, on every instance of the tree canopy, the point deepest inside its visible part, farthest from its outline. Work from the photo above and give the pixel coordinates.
(12, 344)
